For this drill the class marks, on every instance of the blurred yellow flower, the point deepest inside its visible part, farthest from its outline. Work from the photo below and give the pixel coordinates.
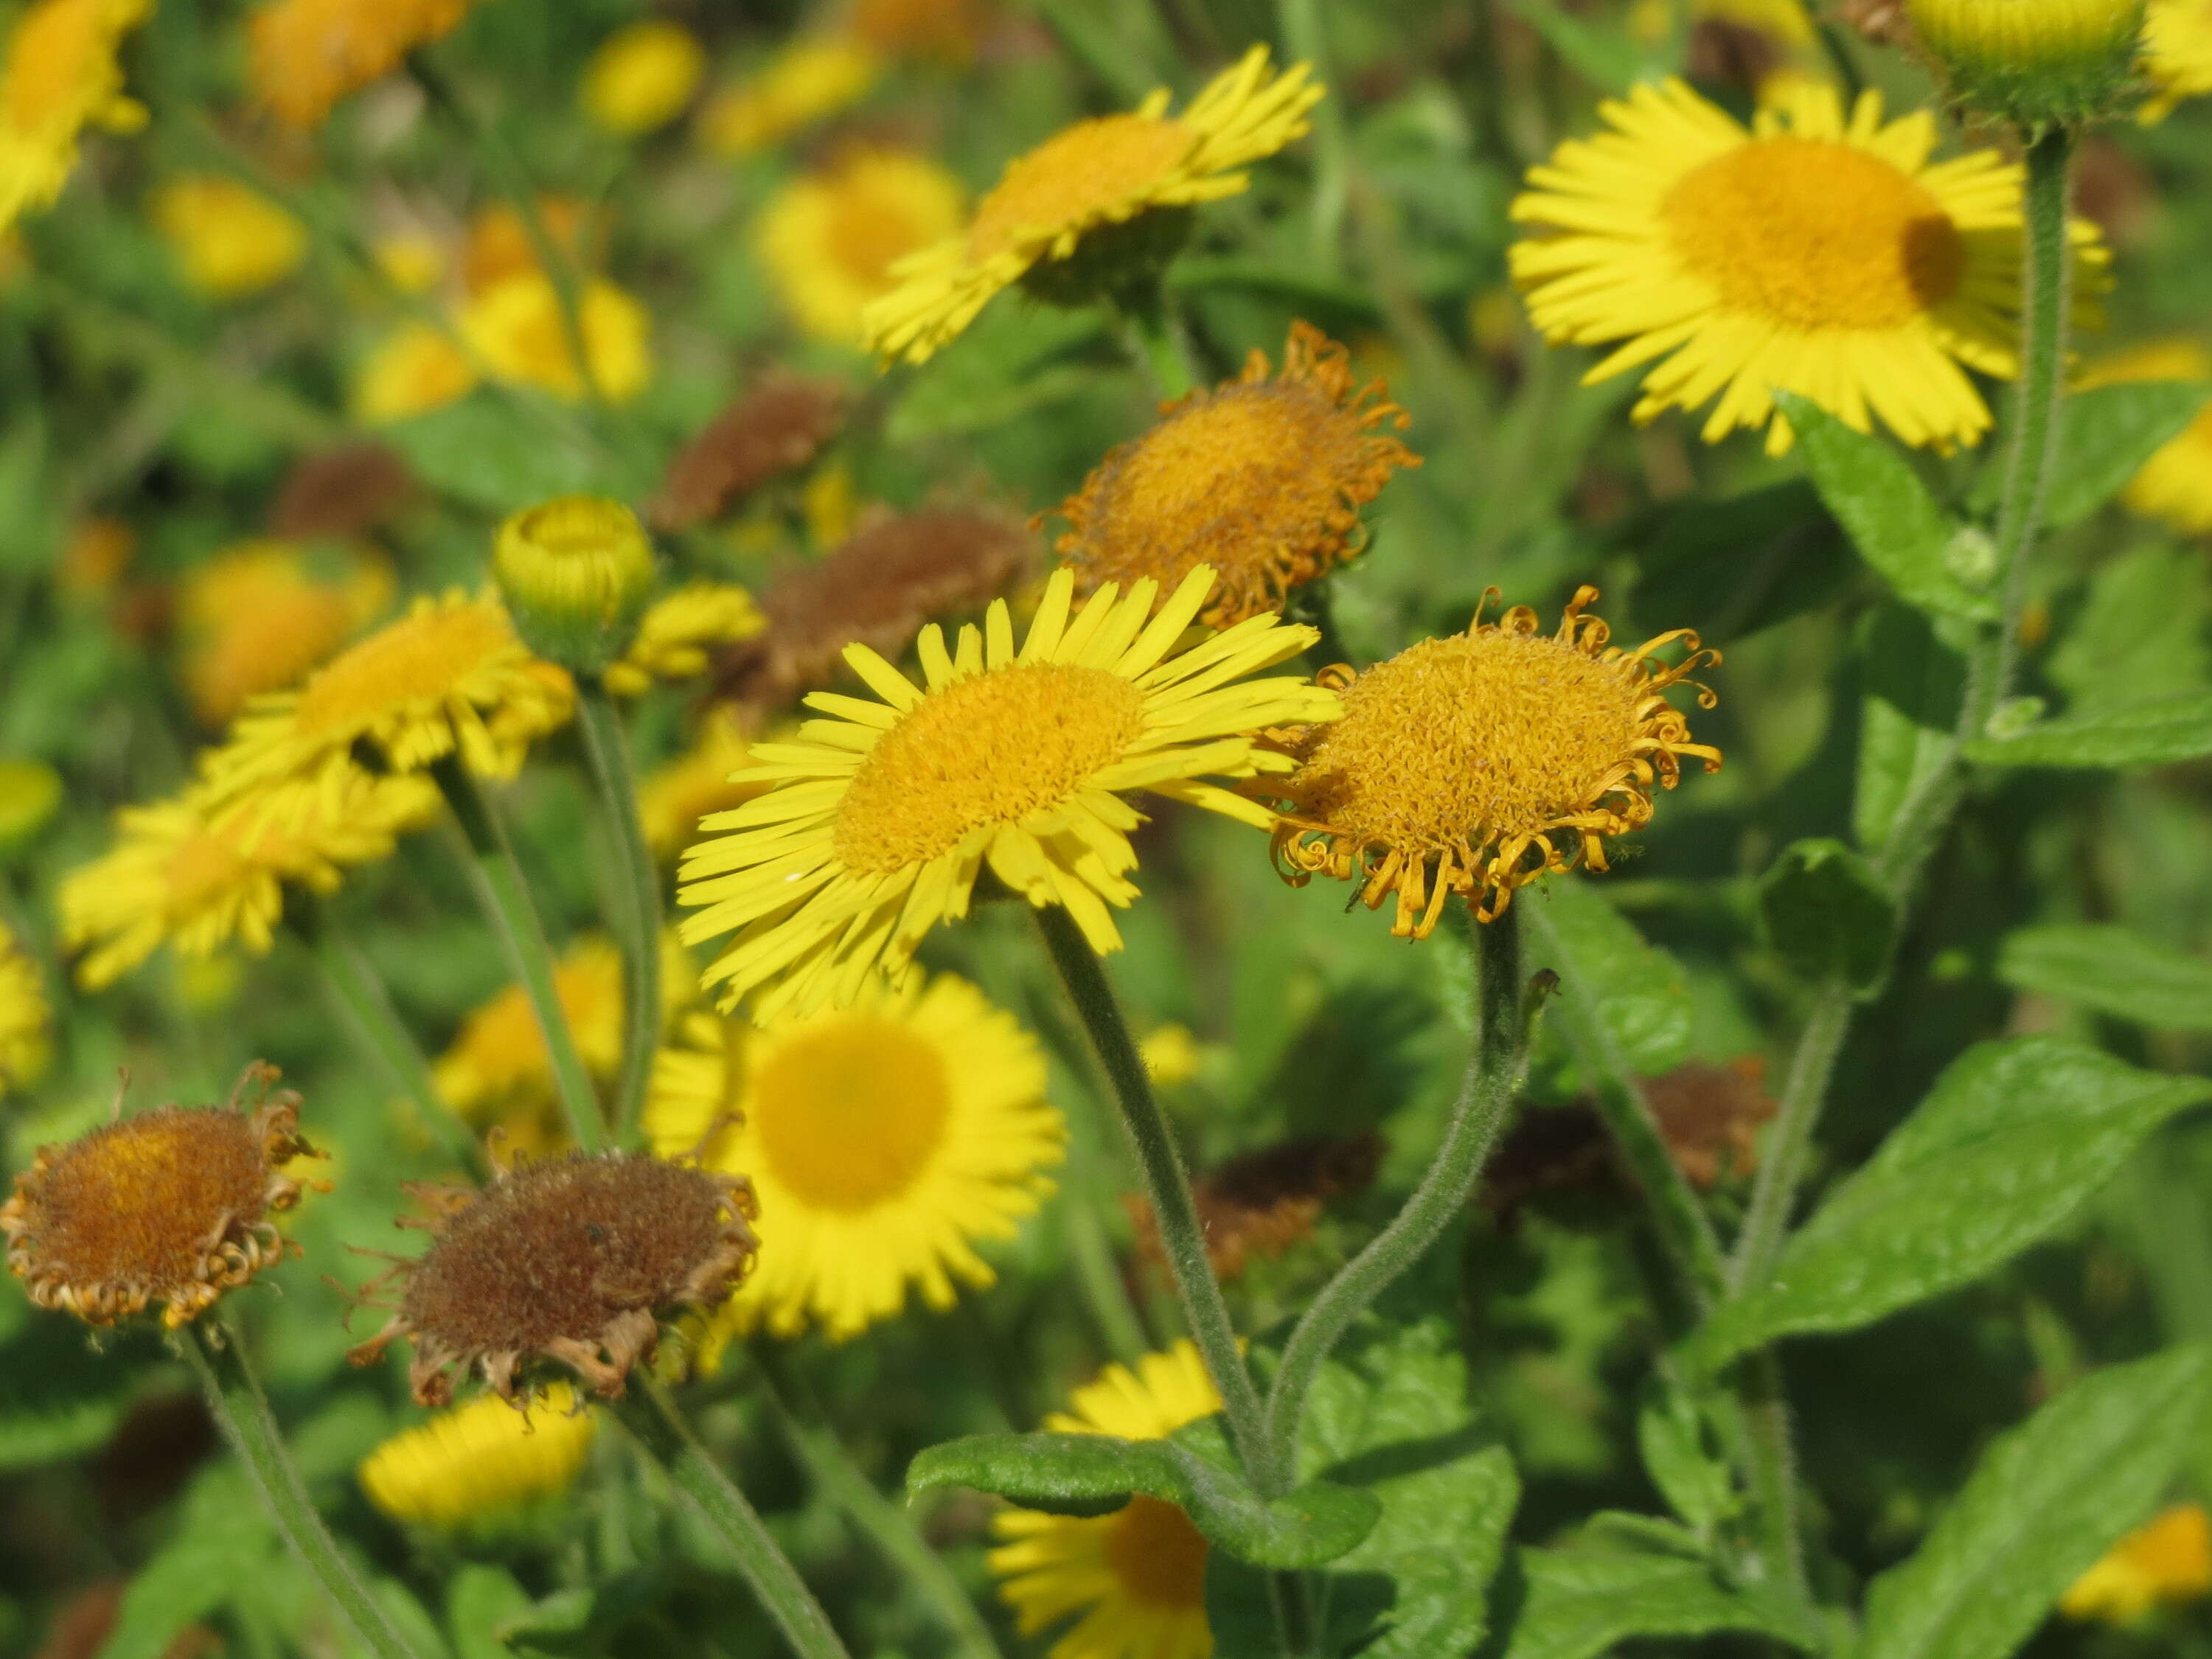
(672, 799)
(413, 369)
(499, 244)
(2175, 484)
(30, 793)
(808, 79)
(60, 76)
(675, 633)
(2167, 1561)
(26, 1022)
(516, 327)
(305, 55)
(828, 238)
(482, 1460)
(641, 76)
(2176, 54)
(947, 30)
(231, 241)
(258, 616)
(498, 1060)
(412, 261)
(1172, 1054)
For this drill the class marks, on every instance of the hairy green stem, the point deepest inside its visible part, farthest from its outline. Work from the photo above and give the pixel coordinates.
(1305, 39)
(216, 1353)
(1504, 1012)
(1159, 346)
(654, 1419)
(607, 752)
(497, 878)
(1789, 1143)
(1773, 1472)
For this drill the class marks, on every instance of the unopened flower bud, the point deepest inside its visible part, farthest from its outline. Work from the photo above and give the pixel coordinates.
(575, 573)
(2037, 62)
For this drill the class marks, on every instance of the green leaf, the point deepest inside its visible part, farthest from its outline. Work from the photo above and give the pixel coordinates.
(26, 499)
(1828, 912)
(2155, 732)
(2139, 632)
(2046, 1500)
(1315, 1524)
(2013, 1136)
(1581, 1603)
(1682, 1458)
(1641, 992)
(480, 1601)
(487, 450)
(2114, 971)
(2109, 433)
(1887, 512)
(1015, 361)
(1912, 679)
(221, 1541)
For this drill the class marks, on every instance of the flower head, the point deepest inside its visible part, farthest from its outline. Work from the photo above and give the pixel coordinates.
(830, 239)
(1810, 252)
(413, 369)
(2031, 61)
(25, 1021)
(170, 1205)
(500, 244)
(2176, 54)
(675, 636)
(497, 1061)
(230, 241)
(884, 1140)
(516, 327)
(641, 76)
(30, 794)
(482, 1460)
(59, 76)
(575, 573)
(674, 797)
(1137, 1577)
(567, 1260)
(2175, 484)
(777, 428)
(1107, 172)
(1260, 1203)
(1262, 478)
(812, 78)
(304, 55)
(260, 615)
(885, 813)
(2165, 1561)
(1461, 765)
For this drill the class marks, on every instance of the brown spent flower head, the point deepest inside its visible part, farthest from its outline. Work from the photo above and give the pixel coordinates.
(1262, 478)
(170, 1205)
(1710, 1116)
(1460, 758)
(779, 427)
(1260, 1203)
(341, 493)
(568, 1260)
(895, 573)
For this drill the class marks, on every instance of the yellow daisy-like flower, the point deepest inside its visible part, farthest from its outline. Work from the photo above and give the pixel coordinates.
(199, 875)
(60, 76)
(2177, 55)
(25, 1021)
(641, 76)
(676, 634)
(413, 369)
(1104, 172)
(1462, 764)
(515, 326)
(450, 676)
(411, 261)
(304, 55)
(2167, 1561)
(829, 240)
(884, 1140)
(258, 616)
(30, 794)
(499, 1055)
(1809, 252)
(481, 1460)
(673, 799)
(807, 81)
(499, 245)
(1137, 1577)
(944, 30)
(2175, 484)
(1262, 478)
(884, 814)
(231, 241)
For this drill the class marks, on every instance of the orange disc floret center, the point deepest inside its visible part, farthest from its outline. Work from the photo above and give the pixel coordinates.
(832, 1130)
(989, 749)
(1155, 1555)
(1232, 477)
(1813, 233)
(145, 1201)
(423, 658)
(1075, 177)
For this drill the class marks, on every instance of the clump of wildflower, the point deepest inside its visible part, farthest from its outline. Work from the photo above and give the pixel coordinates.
(810, 80)
(483, 1460)
(26, 1020)
(776, 428)
(641, 76)
(60, 76)
(2166, 1562)
(304, 57)
(500, 246)
(676, 636)
(830, 240)
(169, 1206)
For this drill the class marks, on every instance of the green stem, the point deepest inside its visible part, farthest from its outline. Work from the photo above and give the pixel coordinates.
(1773, 1472)
(1305, 37)
(218, 1356)
(1160, 346)
(1789, 1143)
(1504, 1016)
(650, 1415)
(608, 755)
(497, 878)
(1167, 1184)
(885, 1524)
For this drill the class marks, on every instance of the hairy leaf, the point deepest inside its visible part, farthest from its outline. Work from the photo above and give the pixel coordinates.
(1826, 913)
(1581, 1603)
(2114, 971)
(1913, 679)
(1682, 1459)
(2110, 432)
(2155, 732)
(1640, 991)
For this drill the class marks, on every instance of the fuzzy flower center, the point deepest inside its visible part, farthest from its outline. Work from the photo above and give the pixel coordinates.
(419, 659)
(1815, 234)
(1156, 1555)
(1077, 176)
(1500, 732)
(850, 1115)
(989, 750)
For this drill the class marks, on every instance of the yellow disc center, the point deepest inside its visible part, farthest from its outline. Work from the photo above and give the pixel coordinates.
(989, 749)
(850, 1112)
(1232, 478)
(1076, 177)
(420, 658)
(1813, 234)
(867, 230)
(1155, 1555)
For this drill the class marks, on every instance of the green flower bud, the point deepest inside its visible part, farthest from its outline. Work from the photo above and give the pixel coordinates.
(575, 573)
(2036, 62)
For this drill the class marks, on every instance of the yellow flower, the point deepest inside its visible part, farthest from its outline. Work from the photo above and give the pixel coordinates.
(674, 637)
(1172, 1055)
(515, 326)
(231, 241)
(641, 76)
(1137, 1577)
(2175, 484)
(412, 261)
(481, 1460)
(2176, 54)
(1262, 478)
(828, 238)
(807, 80)
(947, 30)
(60, 76)
(305, 55)
(26, 1022)
(884, 815)
(2165, 1561)
(257, 616)
(449, 676)
(1459, 759)
(883, 1139)
(199, 875)
(674, 797)
(1106, 172)
(30, 793)
(499, 245)
(1807, 253)
(498, 1058)
(413, 369)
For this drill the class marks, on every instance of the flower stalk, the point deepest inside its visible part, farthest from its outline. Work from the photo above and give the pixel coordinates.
(608, 753)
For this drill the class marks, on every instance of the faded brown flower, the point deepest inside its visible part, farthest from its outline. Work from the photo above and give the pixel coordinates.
(779, 427)
(341, 493)
(1258, 1205)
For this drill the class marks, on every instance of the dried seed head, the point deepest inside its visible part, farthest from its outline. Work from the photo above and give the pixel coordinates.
(565, 1260)
(1260, 1203)
(170, 1205)
(779, 427)
(341, 493)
